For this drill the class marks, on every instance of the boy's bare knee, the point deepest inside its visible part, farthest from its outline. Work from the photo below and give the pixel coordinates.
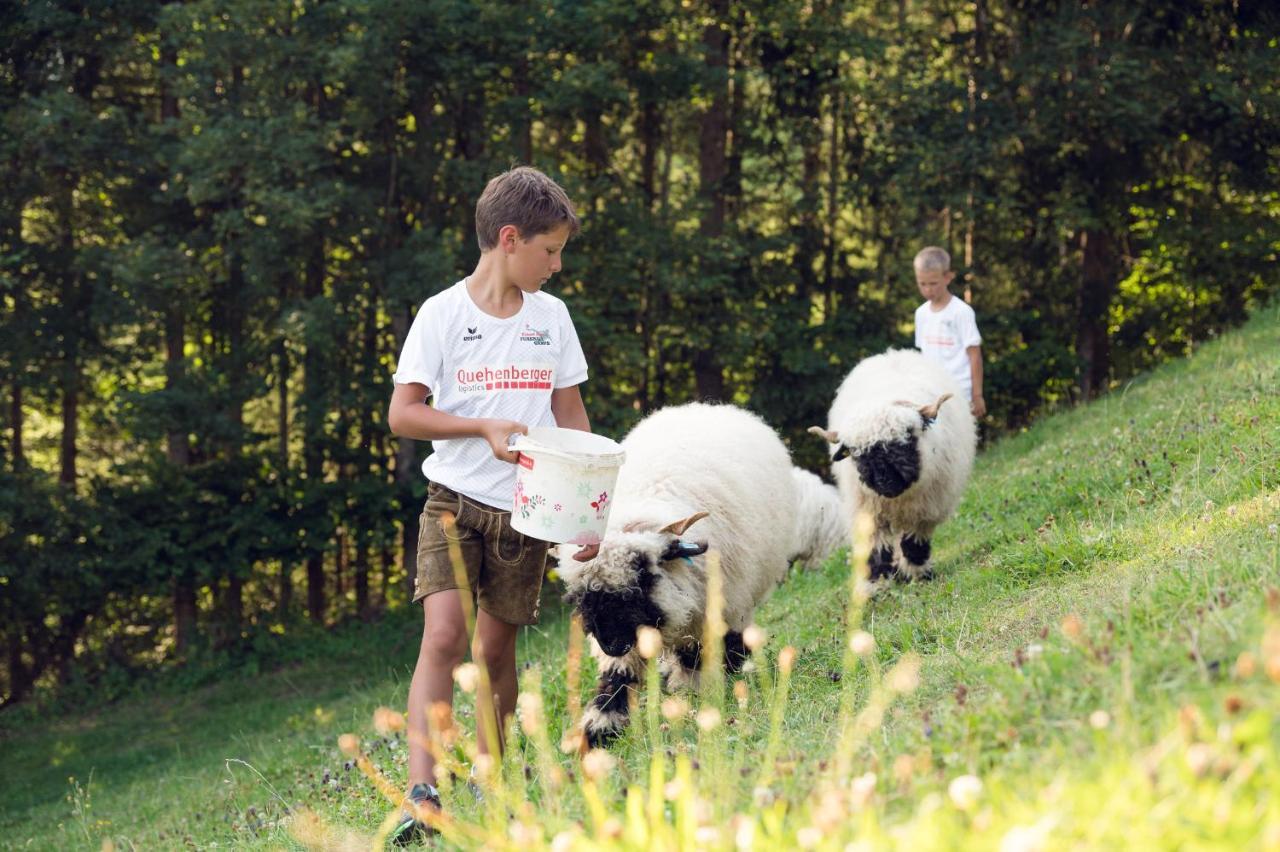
(445, 642)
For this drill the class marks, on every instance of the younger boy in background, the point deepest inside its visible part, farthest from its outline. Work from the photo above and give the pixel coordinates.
(946, 329)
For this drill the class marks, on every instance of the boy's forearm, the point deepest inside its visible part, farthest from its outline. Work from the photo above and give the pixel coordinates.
(975, 369)
(569, 411)
(421, 422)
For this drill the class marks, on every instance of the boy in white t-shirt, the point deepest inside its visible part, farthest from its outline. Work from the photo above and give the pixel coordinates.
(496, 355)
(946, 329)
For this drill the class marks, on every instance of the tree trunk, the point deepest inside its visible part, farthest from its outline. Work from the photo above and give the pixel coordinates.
(284, 602)
(314, 369)
(1099, 276)
(407, 472)
(712, 168)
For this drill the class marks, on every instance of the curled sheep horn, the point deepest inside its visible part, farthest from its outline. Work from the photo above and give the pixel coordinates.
(825, 434)
(677, 528)
(930, 412)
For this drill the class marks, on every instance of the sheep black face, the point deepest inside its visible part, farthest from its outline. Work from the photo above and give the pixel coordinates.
(614, 587)
(890, 467)
(612, 615)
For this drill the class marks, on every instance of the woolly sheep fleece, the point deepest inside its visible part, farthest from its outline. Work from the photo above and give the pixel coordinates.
(698, 457)
(822, 526)
(866, 411)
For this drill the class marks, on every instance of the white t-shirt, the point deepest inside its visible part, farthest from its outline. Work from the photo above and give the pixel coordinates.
(945, 335)
(477, 365)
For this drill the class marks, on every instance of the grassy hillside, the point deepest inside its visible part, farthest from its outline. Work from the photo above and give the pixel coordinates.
(1098, 664)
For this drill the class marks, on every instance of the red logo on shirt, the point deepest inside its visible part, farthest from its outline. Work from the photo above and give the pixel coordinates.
(509, 377)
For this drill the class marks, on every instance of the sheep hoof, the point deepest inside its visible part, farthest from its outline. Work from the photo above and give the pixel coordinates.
(602, 737)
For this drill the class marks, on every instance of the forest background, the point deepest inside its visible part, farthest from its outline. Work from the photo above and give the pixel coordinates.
(218, 217)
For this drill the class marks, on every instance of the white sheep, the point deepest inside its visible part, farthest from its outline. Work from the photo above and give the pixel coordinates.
(696, 477)
(822, 525)
(899, 454)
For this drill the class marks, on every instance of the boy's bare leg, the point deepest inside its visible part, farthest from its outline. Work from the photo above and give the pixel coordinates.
(495, 644)
(444, 645)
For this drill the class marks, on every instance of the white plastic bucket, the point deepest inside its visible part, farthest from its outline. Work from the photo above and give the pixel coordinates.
(564, 484)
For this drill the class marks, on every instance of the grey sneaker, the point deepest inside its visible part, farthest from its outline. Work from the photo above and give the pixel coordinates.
(410, 829)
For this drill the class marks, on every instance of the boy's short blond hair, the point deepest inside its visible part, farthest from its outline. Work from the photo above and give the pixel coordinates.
(933, 259)
(526, 198)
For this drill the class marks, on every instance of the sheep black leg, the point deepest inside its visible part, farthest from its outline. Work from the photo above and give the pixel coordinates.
(735, 651)
(881, 562)
(915, 552)
(608, 713)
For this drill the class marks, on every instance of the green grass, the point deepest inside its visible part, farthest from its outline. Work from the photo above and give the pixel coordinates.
(1113, 563)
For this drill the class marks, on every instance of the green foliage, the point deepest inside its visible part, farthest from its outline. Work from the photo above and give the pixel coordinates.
(217, 219)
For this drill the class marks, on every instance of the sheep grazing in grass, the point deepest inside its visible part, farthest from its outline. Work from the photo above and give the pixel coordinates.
(697, 478)
(822, 525)
(901, 454)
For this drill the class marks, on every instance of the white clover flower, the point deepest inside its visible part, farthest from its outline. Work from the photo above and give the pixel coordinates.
(648, 642)
(754, 637)
(964, 791)
(467, 676)
(861, 789)
(674, 708)
(597, 763)
(1099, 719)
(862, 643)
(708, 718)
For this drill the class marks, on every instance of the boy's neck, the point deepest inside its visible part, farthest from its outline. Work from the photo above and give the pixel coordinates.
(492, 292)
(941, 302)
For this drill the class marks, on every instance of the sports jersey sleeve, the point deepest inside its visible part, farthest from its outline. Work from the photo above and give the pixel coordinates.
(572, 369)
(421, 357)
(969, 334)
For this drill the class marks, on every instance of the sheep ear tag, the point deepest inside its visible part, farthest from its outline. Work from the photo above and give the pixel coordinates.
(680, 549)
(677, 528)
(842, 453)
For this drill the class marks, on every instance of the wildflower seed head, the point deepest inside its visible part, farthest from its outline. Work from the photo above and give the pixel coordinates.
(862, 789)
(708, 718)
(674, 708)
(482, 766)
(611, 828)
(1099, 719)
(787, 659)
(754, 637)
(862, 643)
(648, 642)
(1246, 665)
(740, 693)
(564, 841)
(1072, 627)
(349, 744)
(529, 707)
(1200, 757)
(905, 676)
(762, 796)
(904, 766)
(744, 831)
(597, 764)
(387, 721)
(965, 791)
(1272, 668)
(808, 837)
(467, 676)
(707, 837)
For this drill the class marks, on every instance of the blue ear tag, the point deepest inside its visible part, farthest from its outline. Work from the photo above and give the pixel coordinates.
(687, 560)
